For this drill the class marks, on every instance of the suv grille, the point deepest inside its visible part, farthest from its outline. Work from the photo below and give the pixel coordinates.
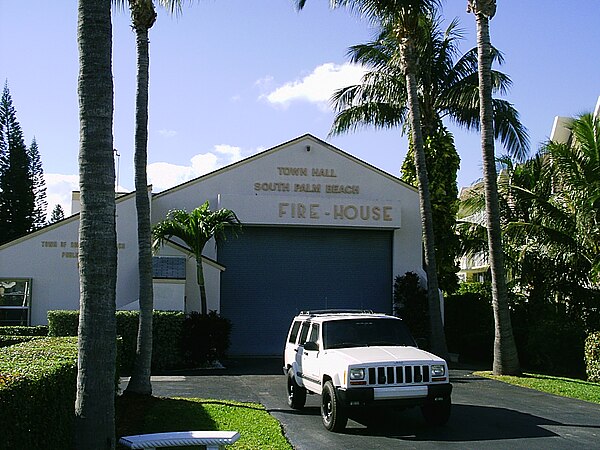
(399, 374)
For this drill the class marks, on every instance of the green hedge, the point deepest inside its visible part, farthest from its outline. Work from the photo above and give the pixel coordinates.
(592, 357)
(178, 341)
(205, 338)
(469, 323)
(166, 326)
(37, 394)
(63, 323)
(166, 338)
(7, 340)
(39, 330)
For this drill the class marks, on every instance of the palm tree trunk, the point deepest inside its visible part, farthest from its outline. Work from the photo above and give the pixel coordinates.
(506, 360)
(201, 285)
(94, 405)
(139, 382)
(438, 339)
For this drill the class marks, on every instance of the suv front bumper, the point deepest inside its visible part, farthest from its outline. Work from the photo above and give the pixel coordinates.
(404, 396)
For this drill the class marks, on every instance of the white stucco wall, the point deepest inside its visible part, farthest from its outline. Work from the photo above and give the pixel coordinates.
(212, 279)
(50, 258)
(304, 182)
(291, 185)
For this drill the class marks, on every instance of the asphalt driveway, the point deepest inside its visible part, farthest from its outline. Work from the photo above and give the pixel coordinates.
(486, 414)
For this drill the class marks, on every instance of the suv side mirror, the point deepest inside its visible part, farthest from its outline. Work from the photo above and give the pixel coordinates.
(312, 346)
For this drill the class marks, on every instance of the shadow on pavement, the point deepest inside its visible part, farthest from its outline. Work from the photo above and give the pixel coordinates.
(237, 366)
(468, 423)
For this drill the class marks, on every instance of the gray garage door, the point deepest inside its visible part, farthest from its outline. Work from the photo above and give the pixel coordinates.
(273, 273)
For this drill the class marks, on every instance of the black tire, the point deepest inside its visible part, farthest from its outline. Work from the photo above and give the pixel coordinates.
(333, 414)
(437, 413)
(296, 394)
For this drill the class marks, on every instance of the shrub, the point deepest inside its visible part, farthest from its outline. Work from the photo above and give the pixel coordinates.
(63, 323)
(167, 333)
(410, 304)
(40, 330)
(7, 340)
(554, 345)
(592, 357)
(469, 322)
(205, 338)
(166, 338)
(37, 393)
(166, 325)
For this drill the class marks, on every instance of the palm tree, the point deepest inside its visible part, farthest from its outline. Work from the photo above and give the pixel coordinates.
(506, 359)
(549, 212)
(94, 405)
(403, 18)
(576, 166)
(195, 229)
(143, 16)
(560, 188)
(447, 88)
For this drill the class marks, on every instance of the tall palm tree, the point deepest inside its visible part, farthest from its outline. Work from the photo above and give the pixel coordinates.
(143, 16)
(94, 406)
(404, 17)
(506, 359)
(195, 229)
(447, 88)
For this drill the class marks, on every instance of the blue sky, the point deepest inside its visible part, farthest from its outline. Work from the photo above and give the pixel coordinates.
(229, 78)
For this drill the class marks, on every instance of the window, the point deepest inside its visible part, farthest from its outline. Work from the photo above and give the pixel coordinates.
(304, 332)
(366, 333)
(294, 332)
(314, 333)
(15, 295)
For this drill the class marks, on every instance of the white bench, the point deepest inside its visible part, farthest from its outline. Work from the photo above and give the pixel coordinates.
(213, 440)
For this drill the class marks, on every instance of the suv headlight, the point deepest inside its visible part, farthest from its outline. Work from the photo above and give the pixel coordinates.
(438, 370)
(357, 374)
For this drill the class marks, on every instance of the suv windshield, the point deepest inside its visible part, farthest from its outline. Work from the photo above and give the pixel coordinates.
(366, 332)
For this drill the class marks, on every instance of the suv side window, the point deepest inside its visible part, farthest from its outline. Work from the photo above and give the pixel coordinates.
(314, 333)
(294, 332)
(304, 332)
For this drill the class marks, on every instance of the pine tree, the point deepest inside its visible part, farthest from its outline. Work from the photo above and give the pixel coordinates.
(39, 186)
(58, 214)
(16, 187)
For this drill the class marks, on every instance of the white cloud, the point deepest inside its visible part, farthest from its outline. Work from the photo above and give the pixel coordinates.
(167, 133)
(58, 191)
(317, 87)
(264, 82)
(164, 175)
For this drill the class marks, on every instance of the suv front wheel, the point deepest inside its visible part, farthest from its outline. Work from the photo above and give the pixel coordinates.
(333, 414)
(296, 394)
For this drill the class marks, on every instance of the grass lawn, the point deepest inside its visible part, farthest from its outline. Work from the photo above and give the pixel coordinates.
(566, 387)
(257, 428)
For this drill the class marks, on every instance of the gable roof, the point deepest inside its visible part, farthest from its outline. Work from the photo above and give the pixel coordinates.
(307, 137)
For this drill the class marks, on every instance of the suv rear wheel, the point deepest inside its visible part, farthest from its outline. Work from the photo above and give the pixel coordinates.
(333, 414)
(296, 394)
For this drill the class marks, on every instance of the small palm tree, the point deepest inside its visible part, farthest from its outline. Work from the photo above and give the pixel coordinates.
(506, 359)
(195, 229)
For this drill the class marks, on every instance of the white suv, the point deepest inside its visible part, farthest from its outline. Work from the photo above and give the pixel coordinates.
(357, 359)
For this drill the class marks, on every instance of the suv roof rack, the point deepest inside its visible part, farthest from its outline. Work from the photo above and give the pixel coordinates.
(336, 311)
